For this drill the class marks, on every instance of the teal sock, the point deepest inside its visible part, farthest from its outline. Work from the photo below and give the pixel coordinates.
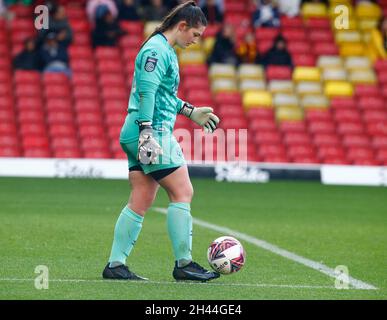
(179, 221)
(126, 232)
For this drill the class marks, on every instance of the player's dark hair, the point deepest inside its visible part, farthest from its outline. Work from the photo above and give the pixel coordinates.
(188, 11)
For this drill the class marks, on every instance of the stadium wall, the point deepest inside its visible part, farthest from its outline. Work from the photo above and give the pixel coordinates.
(226, 171)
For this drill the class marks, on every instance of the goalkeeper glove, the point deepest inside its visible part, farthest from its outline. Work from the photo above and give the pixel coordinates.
(203, 116)
(148, 147)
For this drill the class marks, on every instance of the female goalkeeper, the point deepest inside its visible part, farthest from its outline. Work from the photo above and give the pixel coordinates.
(155, 158)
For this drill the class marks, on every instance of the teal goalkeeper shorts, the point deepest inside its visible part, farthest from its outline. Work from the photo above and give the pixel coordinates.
(172, 156)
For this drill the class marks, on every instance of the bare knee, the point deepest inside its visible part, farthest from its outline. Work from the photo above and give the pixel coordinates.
(140, 202)
(181, 194)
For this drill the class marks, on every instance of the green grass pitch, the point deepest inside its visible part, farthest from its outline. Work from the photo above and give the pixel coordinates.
(67, 225)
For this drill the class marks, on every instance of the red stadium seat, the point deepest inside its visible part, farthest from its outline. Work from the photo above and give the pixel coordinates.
(267, 137)
(294, 35)
(345, 102)
(31, 115)
(347, 115)
(360, 153)
(112, 80)
(195, 83)
(60, 143)
(58, 104)
(11, 151)
(367, 90)
(211, 30)
(105, 66)
(82, 39)
(31, 141)
(291, 22)
(326, 152)
(304, 59)
(380, 142)
(91, 131)
(77, 52)
(260, 113)
(8, 128)
(28, 90)
(57, 91)
(60, 117)
(199, 70)
(115, 105)
(233, 123)
(80, 25)
(29, 103)
(107, 53)
(365, 103)
(37, 153)
(326, 139)
(325, 48)
(82, 65)
(266, 33)
(7, 115)
(298, 47)
(115, 93)
(67, 153)
(86, 117)
(382, 156)
(86, 92)
(62, 130)
(8, 140)
(320, 35)
(377, 127)
(316, 115)
(115, 119)
(55, 78)
(355, 140)
(133, 42)
(34, 128)
(350, 128)
(318, 23)
(321, 127)
(278, 72)
(374, 115)
(87, 105)
(262, 124)
(291, 138)
(24, 76)
(92, 143)
(271, 149)
(292, 127)
(84, 78)
(97, 154)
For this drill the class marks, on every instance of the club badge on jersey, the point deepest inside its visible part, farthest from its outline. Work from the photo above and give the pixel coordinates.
(150, 64)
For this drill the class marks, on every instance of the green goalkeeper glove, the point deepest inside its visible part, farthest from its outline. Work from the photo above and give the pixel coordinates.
(203, 116)
(148, 147)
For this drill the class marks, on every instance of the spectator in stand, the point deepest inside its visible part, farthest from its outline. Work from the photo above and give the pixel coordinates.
(127, 10)
(266, 15)
(212, 12)
(278, 54)
(3, 9)
(224, 48)
(28, 59)
(53, 55)
(58, 24)
(107, 30)
(96, 8)
(247, 49)
(290, 8)
(155, 11)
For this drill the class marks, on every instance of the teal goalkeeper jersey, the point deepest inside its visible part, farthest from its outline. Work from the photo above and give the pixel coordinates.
(155, 84)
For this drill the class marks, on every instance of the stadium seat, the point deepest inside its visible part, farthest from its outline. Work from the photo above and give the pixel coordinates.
(218, 70)
(350, 128)
(326, 139)
(278, 73)
(306, 74)
(314, 10)
(314, 101)
(321, 126)
(250, 71)
(285, 99)
(355, 140)
(289, 113)
(257, 98)
(62, 130)
(281, 86)
(338, 88)
(292, 127)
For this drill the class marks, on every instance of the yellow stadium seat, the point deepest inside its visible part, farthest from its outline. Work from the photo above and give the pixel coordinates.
(192, 57)
(338, 88)
(221, 70)
(149, 27)
(314, 10)
(368, 10)
(285, 99)
(281, 86)
(208, 45)
(329, 61)
(224, 85)
(338, 2)
(362, 76)
(285, 113)
(357, 62)
(250, 71)
(251, 84)
(306, 74)
(367, 24)
(354, 49)
(351, 36)
(315, 101)
(256, 98)
(309, 87)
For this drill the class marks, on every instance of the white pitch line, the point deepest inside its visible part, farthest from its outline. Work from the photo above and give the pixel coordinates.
(261, 285)
(358, 284)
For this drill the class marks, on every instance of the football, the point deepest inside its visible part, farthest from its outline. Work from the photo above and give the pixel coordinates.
(226, 255)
